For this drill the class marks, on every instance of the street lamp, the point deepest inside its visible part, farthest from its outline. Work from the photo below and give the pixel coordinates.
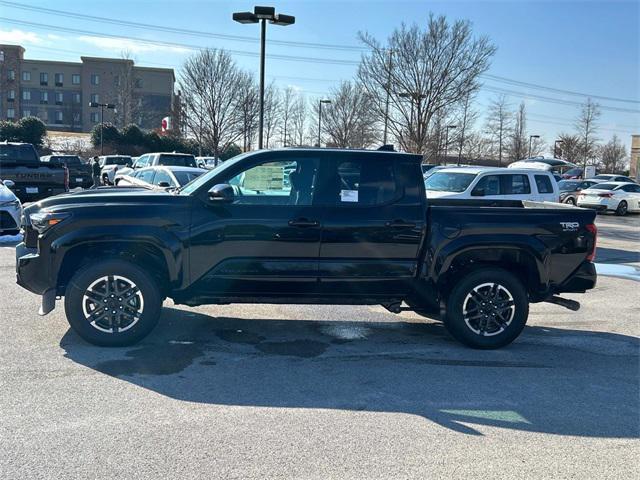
(531, 137)
(108, 106)
(555, 148)
(262, 15)
(446, 141)
(320, 119)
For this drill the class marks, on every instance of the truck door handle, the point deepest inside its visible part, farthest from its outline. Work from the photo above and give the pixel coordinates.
(400, 224)
(303, 223)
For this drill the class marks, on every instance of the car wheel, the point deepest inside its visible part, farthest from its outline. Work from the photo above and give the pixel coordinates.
(570, 201)
(622, 208)
(113, 303)
(487, 309)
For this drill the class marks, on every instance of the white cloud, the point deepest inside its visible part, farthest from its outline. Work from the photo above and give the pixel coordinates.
(124, 44)
(18, 37)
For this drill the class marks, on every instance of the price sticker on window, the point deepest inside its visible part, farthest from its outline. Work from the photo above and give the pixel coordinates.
(349, 196)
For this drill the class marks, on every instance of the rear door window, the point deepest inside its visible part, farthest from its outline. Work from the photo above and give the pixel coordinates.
(358, 182)
(490, 184)
(515, 184)
(543, 184)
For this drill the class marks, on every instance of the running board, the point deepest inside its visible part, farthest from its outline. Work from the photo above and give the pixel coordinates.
(564, 302)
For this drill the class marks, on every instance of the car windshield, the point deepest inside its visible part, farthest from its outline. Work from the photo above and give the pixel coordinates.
(449, 181)
(202, 179)
(568, 186)
(186, 177)
(178, 160)
(604, 186)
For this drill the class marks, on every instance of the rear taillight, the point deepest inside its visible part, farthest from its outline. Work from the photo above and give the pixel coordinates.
(594, 230)
(605, 195)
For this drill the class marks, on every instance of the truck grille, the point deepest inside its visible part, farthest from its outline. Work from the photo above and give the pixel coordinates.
(7, 222)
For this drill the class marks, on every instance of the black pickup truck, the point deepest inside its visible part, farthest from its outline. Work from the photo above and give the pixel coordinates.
(79, 170)
(294, 226)
(33, 179)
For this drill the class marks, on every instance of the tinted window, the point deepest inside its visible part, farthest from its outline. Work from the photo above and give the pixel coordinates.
(18, 153)
(276, 183)
(570, 186)
(515, 184)
(146, 176)
(185, 177)
(631, 188)
(604, 186)
(543, 183)
(490, 184)
(162, 176)
(602, 177)
(449, 181)
(177, 160)
(370, 182)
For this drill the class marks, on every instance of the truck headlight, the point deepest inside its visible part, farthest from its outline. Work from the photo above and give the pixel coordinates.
(43, 221)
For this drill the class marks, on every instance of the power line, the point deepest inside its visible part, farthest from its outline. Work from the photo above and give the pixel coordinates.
(355, 48)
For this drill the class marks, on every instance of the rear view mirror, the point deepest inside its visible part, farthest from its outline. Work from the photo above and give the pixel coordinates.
(9, 183)
(477, 192)
(223, 192)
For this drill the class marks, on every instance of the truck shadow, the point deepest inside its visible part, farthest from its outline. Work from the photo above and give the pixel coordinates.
(559, 381)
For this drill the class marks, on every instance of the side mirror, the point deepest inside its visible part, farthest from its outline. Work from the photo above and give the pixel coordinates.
(477, 192)
(9, 183)
(164, 184)
(222, 192)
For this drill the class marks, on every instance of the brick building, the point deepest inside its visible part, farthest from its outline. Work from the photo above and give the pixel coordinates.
(59, 92)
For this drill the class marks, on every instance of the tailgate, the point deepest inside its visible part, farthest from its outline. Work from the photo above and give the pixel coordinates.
(34, 175)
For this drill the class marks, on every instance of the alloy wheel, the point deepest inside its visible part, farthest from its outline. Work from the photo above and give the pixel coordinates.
(112, 304)
(488, 309)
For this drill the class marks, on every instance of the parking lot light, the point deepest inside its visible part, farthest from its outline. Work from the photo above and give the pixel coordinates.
(102, 106)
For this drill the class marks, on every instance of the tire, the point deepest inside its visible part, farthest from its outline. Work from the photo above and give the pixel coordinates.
(571, 201)
(622, 209)
(513, 309)
(141, 303)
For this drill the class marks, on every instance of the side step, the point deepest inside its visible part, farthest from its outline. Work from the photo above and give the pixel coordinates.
(564, 302)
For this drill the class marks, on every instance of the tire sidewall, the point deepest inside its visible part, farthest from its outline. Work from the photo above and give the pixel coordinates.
(454, 320)
(619, 210)
(87, 275)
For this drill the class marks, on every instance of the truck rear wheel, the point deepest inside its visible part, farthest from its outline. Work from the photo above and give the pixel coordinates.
(112, 303)
(487, 309)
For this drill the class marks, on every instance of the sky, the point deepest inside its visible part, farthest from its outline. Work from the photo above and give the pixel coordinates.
(570, 49)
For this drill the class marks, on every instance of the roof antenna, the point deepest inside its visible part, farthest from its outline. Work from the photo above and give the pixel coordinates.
(386, 148)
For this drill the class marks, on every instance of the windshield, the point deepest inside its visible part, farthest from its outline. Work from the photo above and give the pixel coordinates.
(449, 181)
(567, 186)
(202, 179)
(604, 186)
(177, 160)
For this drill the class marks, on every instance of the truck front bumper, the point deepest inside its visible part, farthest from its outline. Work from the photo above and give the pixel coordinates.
(31, 270)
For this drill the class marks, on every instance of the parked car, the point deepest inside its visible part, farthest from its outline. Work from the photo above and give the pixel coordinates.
(167, 159)
(492, 184)
(110, 164)
(351, 227)
(163, 177)
(207, 162)
(10, 209)
(32, 179)
(79, 171)
(619, 197)
(573, 174)
(569, 189)
(609, 177)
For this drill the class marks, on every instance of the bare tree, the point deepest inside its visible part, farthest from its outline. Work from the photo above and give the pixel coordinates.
(518, 141)
(466, 118)
(571, 147)
(298, 120)
(586, 126)
(613, 155)
(248, 103)
(498, 125)
(348, 120)
(288, 103)
(128, 108)
(432, 69)
(211, 84)
(272, 112)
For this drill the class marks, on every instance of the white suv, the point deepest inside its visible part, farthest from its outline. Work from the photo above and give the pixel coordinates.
(493, 184)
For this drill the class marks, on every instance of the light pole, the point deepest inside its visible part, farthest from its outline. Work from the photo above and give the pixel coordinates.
(530, 138)
(262, 15)
(320, 119)
(446, 141)
(109, 106)
(555, 148)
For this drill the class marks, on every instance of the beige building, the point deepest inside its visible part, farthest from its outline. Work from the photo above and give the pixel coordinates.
(59, 93)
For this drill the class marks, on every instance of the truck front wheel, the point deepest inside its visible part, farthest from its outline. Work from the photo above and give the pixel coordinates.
(112, 303)
(487, 309)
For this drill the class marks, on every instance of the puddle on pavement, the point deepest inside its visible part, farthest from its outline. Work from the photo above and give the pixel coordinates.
(165, 359)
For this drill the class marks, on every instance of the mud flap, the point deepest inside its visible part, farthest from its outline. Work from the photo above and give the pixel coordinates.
(48, 302)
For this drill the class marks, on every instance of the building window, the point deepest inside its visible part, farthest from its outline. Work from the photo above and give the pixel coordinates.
(94, 117)
(95, 98)
(11, 95)
(44, 97)
(75, 79)
(95, 79)
(58, 116)
(26, 95)
(59, 78)
(76, 98)
(11, 75)
(76, 117)
(44, 78)
(59, 98)
(26, 76)
(26, 113)
(11, 113)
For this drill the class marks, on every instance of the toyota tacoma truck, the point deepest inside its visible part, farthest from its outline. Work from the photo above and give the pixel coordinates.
(32, 179)
(79, 170)
(303, 226)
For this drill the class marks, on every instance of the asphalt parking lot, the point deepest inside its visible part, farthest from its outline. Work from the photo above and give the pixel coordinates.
(264, 391)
